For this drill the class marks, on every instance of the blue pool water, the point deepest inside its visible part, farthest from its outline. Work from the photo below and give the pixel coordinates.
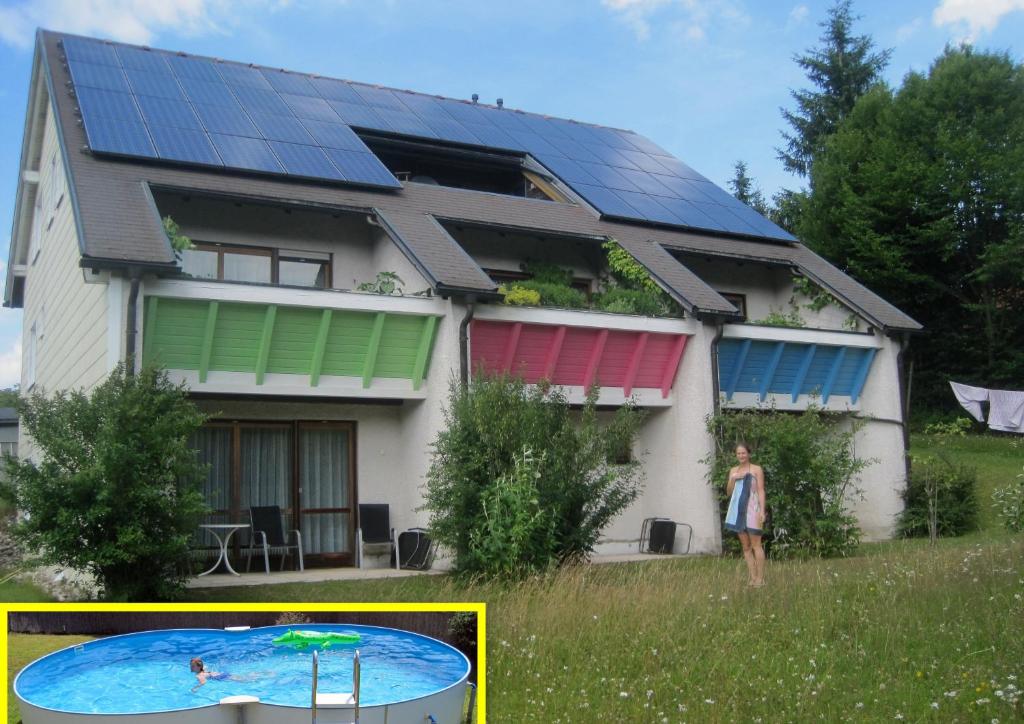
(149, 672)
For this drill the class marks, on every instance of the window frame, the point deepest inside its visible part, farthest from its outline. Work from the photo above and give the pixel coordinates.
(737, 300)
(276, 256)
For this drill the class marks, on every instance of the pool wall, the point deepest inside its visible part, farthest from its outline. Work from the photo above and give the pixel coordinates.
(445, 706)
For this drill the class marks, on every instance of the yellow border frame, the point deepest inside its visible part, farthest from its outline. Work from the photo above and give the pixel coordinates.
(480, 609)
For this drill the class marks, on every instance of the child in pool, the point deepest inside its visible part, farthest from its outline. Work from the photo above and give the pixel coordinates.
(199, 669)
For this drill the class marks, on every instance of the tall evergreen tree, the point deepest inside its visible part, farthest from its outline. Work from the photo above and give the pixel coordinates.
(920, 195)
(744, 190)
(842, 69)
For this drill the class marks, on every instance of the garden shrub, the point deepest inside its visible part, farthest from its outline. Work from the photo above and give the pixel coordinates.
(941, 488)
(116, 488)
(1008, 501)
(553, 294)
(518, 296)
(620, 300)
(519, 482)
(810, 468)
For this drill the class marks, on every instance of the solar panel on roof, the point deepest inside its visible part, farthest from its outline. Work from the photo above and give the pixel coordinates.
(315, 109)
(126, 137)
(235, 74)
(282, 128)
(334, 135)
(291, 83)
(203, 91)
(167, 112)
(90, 51)
(362, 167)
(256, 100)
(97, 103)
(196, 106)
(106, 77)
(335, 90)
(146, 60)
(160, 85)
(184, 144)
(224, 119)
(188, 67)
(310, 161)
(251, 153)
(405, 122)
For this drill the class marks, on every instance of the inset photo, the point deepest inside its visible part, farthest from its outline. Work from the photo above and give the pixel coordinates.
(84, 666)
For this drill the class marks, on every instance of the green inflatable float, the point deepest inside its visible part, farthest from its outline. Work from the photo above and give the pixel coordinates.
(323, 639)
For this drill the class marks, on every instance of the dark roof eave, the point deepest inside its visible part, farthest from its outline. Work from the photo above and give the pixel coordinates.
(92, 262)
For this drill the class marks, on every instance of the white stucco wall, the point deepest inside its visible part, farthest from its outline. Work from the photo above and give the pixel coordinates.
(71, 350)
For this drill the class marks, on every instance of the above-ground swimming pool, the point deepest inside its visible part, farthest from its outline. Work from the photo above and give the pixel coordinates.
(405, 677)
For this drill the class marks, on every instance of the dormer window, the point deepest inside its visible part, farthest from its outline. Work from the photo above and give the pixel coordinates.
(446, 165)
(257, 265)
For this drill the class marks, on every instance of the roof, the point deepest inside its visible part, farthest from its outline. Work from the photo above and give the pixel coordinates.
(8, 416)
(118, 223)
(180, 108)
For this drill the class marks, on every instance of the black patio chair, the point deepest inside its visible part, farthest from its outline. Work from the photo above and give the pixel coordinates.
(267, 534)
(375, 531)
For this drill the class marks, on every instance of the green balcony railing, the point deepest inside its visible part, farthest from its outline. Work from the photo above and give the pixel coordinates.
(204, 336)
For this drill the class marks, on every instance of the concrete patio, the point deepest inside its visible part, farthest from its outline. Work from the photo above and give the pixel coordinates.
(318, 575)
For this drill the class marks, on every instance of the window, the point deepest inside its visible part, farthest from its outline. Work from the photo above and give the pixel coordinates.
(455, 167)
(737, 300)
(501, 276)
(257, 265)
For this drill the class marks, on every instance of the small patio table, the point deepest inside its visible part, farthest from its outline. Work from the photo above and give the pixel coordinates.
(229, 530)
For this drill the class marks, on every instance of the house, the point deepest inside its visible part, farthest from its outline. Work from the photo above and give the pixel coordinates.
(297, 190)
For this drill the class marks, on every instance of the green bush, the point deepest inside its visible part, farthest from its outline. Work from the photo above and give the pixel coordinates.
(519, 482)
(942, 492)
(1009, 504)
(809, 467)
(620, 300)
(517, 296)
(553, 294)
(116, 490)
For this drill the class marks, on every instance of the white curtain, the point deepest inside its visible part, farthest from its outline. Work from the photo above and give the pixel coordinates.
(324, 480)
(266, 463)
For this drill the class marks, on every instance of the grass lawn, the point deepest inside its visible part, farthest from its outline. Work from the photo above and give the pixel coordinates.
(13, 591)
(902, 630)
(22, 650)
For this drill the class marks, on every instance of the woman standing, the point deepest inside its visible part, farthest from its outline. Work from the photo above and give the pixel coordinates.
(745, 516)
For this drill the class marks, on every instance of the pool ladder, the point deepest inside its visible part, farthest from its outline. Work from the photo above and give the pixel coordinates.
(337, 700)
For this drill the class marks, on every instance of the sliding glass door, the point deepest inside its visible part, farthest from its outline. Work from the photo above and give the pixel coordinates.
(307, 469)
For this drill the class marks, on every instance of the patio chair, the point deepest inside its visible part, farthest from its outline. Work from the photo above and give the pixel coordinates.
(416, 549)
(375, 531)
(267, 533)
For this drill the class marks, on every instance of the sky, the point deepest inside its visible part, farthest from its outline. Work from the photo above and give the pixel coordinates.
(705, 79)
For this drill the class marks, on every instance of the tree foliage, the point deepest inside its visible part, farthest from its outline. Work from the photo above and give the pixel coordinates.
(841, 70)
(115, 489)
(920, 195)
(810, 469)
(744, 190)
(519, 482)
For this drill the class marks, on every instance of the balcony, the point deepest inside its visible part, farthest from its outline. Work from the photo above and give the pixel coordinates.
(243, 339)
(627, 356)
(789, 368)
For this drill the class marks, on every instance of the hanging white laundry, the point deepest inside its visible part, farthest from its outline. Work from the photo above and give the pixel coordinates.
(970, 398)
(1006, 410)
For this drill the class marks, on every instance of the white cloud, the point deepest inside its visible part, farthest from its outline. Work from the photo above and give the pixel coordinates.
(908, 30)
(10, 366)
(690, 19)
(973, 17)
(132, 21)
(798, 14)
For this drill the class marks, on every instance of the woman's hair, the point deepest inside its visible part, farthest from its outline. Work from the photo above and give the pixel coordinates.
(196, 660)
(743, 444)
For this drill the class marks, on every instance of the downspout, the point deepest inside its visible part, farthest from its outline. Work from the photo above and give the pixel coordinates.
(464, 341)
(131, 331)
(715, 382)
(905, 398)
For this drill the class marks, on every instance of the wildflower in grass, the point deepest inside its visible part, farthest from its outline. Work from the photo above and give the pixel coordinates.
(624, 694)
(935, 705)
